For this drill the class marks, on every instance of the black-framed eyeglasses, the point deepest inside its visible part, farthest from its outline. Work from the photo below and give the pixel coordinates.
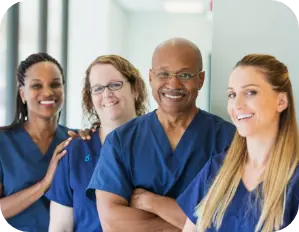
(112, 86)
(182, 76)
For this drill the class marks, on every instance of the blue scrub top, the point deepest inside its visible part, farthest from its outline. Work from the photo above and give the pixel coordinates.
(71, 179)
(244, 211)
(22, 165)
(139, 155)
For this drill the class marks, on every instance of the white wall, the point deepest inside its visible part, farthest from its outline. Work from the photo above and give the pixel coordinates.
(118, 29)
(147, 30)
(257, 26)
(96, 30)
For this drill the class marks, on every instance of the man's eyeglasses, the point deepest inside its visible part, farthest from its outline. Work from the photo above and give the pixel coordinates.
(112, 86)
(182, 76)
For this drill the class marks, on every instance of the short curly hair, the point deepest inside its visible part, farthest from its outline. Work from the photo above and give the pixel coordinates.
(129, 72)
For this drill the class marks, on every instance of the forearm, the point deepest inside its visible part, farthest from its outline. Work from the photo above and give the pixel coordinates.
(126, 219)
(18, 202)
(168, 209)
(61, 218)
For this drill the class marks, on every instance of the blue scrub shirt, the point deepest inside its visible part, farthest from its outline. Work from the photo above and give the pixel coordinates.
(244, 211)
(71, 179)
(139, 155)
(22, 165)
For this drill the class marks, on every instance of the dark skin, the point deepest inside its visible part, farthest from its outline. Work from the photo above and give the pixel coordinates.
(175, 115)
(43, 82)
(44, 95)
(148, 211)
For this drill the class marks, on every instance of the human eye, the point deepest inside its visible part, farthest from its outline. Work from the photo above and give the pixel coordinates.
(163, 74)
(231, 95)
(251, 92)
(185, 76)
(97, 89)
(115, 85)
(36, 86)
(56, 85)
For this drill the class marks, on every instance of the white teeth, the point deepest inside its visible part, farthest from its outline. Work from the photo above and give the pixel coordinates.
(242, 116)
(173, 97)
(110, 104)
(47, 102)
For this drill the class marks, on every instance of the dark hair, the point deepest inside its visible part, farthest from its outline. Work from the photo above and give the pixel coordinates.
(129, 72)
(21, 111)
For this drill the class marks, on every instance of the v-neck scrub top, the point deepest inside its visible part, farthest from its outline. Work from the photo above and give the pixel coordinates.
(139, 155)
(71, 179)
(22, 165)
(244, 210)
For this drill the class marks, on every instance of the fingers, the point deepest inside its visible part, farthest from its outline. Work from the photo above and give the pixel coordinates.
(67, 142)
(84, 134)
(61, 146)
(72, 134)
(87, 133)
(61, 154)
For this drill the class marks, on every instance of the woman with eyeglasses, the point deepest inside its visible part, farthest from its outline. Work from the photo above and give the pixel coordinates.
(113, 94)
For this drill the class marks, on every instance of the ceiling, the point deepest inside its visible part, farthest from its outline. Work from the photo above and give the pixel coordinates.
(146, 5)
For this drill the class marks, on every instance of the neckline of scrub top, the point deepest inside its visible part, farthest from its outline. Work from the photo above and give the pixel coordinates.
(180, 147)
(253, 190)
(28, 142)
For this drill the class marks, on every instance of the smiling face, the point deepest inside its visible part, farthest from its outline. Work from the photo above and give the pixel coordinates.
(253, 105)
(111, 106)
(43, 90)
(173, 95)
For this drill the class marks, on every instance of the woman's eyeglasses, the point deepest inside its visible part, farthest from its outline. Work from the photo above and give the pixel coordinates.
(112, 86)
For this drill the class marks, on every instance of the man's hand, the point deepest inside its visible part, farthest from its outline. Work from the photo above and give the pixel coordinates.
(162, 206)
(143, 199)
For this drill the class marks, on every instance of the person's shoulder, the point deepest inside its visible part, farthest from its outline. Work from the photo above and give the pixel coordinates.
(77, 143)
(216, 119)
(218, 159)
(133, 125)
(294, 182)
(11, 132)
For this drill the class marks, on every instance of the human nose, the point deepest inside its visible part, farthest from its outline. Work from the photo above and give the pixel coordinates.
(174, 82)
(107, 92)
(48, 91)
(239, 102)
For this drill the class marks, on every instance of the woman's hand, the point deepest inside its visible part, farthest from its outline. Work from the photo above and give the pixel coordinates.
(84, 134)
(58, 154)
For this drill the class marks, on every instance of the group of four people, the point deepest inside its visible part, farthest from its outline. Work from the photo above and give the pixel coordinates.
(176, 168)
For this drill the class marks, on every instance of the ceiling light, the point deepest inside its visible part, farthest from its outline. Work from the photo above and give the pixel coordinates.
(184, 6)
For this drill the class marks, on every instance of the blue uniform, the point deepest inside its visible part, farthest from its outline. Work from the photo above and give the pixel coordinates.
(71, 179)
(244, 211)
(139, 155)
(22, 165)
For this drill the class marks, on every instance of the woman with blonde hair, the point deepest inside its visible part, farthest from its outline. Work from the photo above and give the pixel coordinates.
(255, 185)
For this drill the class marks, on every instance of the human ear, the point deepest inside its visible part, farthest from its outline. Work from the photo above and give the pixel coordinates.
(282, 102)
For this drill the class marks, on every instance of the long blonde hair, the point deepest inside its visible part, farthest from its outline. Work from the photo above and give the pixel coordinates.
(282, 162)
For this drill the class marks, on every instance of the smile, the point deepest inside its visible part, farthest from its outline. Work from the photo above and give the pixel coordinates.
(244, 116)
(110, 104)
(173, 96)
(47, 102)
